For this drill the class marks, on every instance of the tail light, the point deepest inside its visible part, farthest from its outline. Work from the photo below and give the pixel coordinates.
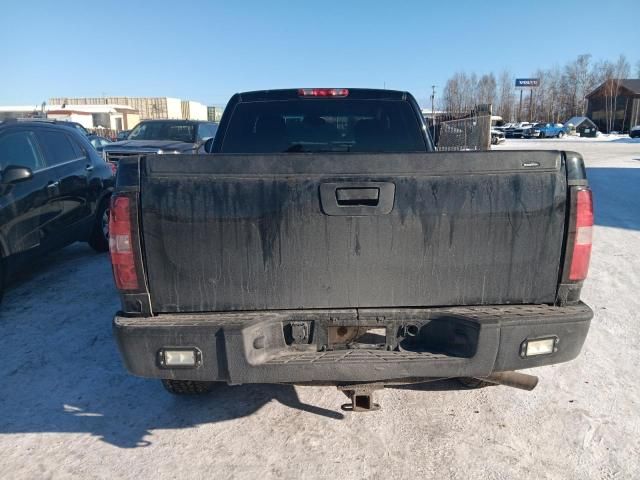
(121, 244)
(323, 92)
(582, 243)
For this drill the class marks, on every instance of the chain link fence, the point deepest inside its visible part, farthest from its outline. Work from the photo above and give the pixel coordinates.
(463, 131)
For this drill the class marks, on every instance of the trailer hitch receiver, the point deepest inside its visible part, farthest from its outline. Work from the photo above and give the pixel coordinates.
(361, 397)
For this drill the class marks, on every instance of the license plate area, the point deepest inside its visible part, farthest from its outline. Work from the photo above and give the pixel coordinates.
(356, 336)
(445, 334)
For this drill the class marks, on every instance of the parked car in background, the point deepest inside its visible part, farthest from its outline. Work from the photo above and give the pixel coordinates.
(532, 131)
(635, 132)
(122, 135)
(98, 142)
(54, 190)
(497, 136)
(553, 130)
(517, 130)
(162, 137)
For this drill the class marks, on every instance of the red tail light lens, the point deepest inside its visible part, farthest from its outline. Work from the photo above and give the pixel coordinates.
(323, 92)
(120, 244)
(584, 229)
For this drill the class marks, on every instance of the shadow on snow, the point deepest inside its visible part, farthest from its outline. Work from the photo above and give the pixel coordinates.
(616, 196)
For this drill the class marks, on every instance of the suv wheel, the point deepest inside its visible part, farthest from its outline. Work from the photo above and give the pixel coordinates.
(560, 134)
(99, 239)
(187, 387)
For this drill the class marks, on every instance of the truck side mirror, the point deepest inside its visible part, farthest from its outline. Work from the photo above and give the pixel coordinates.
(208, 145)
(15, 174)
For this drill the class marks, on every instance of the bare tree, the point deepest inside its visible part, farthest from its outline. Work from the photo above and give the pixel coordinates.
(486, 89)
(505, 97)
(561, 94)
(451, 94)
(578, 84)
(553, 99)
(611, 73)
(460, 92)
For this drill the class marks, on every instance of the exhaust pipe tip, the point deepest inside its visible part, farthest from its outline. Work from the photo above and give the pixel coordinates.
(518, 380)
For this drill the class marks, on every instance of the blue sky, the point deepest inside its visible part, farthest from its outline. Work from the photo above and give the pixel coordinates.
(207, 50)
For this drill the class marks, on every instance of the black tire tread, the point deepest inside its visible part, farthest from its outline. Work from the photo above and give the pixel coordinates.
(96, 239)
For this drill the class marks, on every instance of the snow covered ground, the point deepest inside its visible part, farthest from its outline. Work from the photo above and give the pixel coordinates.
(68, 409)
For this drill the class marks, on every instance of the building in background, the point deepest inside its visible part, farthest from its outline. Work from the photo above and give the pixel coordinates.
(214, 113)
(72, 115)
(21, 111)
(615, 105)
(107, 117)
(193, 110)
(147, 107)
(110, 117)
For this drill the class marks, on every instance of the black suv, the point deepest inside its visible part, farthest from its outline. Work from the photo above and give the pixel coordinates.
(54, 190)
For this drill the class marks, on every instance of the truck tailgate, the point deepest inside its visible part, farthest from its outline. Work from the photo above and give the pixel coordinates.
(259, 232)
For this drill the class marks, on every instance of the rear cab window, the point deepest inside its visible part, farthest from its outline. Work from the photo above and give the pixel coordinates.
(323, 125)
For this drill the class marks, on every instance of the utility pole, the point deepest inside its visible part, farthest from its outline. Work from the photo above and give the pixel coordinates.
(433, 109)
(520, 107)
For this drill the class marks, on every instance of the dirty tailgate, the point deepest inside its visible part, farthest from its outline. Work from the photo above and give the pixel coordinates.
(259, 232)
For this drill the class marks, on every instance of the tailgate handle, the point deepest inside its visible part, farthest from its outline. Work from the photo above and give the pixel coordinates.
(358, 196)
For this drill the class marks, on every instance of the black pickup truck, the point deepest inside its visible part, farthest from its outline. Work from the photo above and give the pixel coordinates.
(325, 241)
(161, 137)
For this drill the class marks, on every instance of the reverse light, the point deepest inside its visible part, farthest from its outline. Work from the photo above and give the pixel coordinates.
(583, 235)
(323, 92)
(120, 244)
(179, 357)
(539, 346)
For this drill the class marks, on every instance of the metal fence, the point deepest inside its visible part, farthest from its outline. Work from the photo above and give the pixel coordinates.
(463, 131)
(465, 134)
(104, 132)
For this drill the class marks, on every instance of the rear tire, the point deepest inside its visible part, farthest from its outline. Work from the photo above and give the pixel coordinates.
(560, 134)
(542, 135)
(99, 239)
(187, 387)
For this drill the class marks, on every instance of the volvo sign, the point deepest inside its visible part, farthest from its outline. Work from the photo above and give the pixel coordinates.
(527, 82)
